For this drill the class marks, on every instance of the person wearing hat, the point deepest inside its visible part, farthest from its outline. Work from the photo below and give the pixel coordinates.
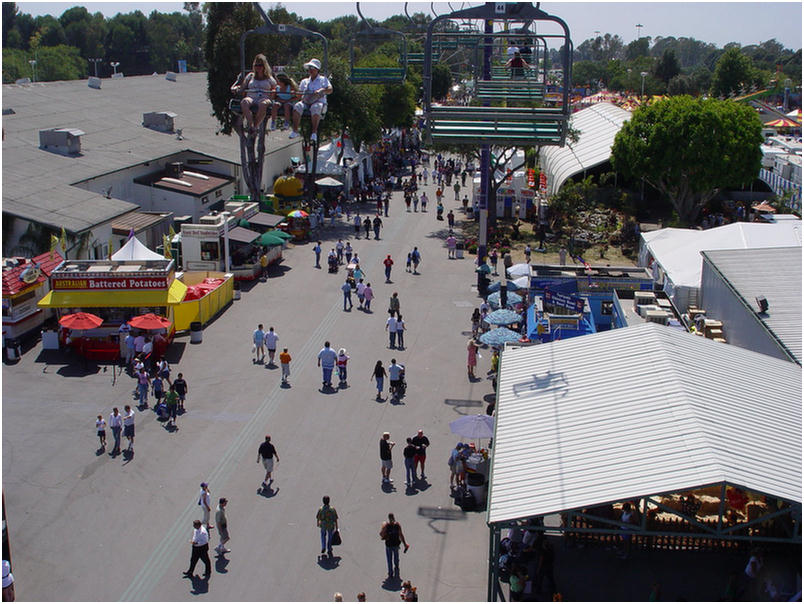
(314, 90)
(223, 527)
(205, 501)
(8, 583)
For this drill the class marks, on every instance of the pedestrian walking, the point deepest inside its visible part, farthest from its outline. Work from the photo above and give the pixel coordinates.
(400, 332)
(408, 262)
(423, 199)
(471, 358)
(143, 383)
(200, 550)
(9, 594)
(158, 389)
(414, 198)
(377, 225)
(527, 251)
(408, 454)
(439, 194)
(343, 358)
(181, 389)
(493, 259)
(172, 404)
(562, 256)
(346, 288)
(266, 454)
(451, 219)
(508, 262)
(465, 204)
(326, 360)
(284, 361)
(271, 338)
(116, 425)
(361, 297)
(317, 251)
(368, 294)
(367, 226)
(394, 377)
(130, 349)
(128, 426)
(205, 501)
(223, 526)
(163, 367)
(416, 257)
(457, 189)
(386, 203)
(393, 304)
(100, 428)
(475, 322)
(388, 263)
(339, 250)
(347, 251)
(421, 442)
(390, 327)
(259, 345)
(147, 353)
(378, 374)
(452, 244)
(326, 519)
(386, 463)
(357, 222)
(391, 533)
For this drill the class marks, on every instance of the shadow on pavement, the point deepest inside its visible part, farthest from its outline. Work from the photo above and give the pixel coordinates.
(221, 563)
(459, 403)
(392, 583)
(267, 492)
(200, 585)
(329, 562)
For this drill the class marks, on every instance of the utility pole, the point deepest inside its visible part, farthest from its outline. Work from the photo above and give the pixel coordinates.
(639, 27)
(115, 65)
(32, 63)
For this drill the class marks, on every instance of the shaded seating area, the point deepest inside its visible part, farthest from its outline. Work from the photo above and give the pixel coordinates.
(646, 439)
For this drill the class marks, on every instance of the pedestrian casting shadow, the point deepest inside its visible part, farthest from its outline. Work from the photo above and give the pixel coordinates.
(328, 390)
(169, 427)
(200, 585)
(421, 484)
(329, 562)
(285, 385)
(490, 398)
(100, 451)
(459, 404)
(439, 513)
(410, 490)
(128, 456)
(221, 563)
(392, 583)
(472, 380)
(379, 399)
(388, 487)
(271, 366)
(397, 401)
(267, 492)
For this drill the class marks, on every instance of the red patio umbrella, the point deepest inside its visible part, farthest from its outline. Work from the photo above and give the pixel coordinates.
(150, 321)
(81, 320)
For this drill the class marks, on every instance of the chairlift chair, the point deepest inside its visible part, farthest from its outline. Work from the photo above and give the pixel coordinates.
(377, 75)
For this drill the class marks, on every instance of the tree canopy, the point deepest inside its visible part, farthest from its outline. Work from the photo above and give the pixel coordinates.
(689, 149)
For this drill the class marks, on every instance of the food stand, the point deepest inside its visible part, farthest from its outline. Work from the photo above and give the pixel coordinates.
(299, 225)
(115, 291)
(24, 282)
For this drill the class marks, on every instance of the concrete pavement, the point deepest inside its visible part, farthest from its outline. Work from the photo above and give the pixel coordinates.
(84, 526)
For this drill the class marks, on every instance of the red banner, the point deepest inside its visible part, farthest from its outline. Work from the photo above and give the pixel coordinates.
(542, 182)
(111, 283)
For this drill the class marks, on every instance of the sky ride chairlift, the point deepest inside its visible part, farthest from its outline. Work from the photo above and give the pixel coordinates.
(377, 75)
(252, 161)
(509, 126)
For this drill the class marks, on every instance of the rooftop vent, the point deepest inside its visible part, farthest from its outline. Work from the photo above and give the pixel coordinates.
(61, 140)
(162, 121)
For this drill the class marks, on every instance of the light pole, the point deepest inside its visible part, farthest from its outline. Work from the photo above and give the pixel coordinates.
(32, 63)
(114, 65)
(643, 74)
(639, 27)
(95, 61)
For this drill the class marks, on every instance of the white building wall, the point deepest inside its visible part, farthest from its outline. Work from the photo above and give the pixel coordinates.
(741, 327)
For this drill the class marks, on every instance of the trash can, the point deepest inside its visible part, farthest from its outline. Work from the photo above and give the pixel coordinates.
(236, 288)
(196, 335)
(459, 250)
(476, 485)
(13, 351)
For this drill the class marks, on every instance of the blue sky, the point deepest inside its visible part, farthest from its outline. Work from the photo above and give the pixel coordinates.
(716, 22)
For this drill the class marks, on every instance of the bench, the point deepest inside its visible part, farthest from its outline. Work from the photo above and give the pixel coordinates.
(417, 58)
(504, 125)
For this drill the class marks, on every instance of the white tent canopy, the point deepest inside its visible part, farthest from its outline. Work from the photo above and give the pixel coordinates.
(637, 411)
(134, 249)
(677, 252)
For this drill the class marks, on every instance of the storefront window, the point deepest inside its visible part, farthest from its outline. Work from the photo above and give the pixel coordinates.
(209, 250)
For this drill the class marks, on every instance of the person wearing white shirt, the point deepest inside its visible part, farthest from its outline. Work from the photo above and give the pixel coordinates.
(314, 90)
(400, 332)
(128, 426)
(394, 375)
(200, 551)
(116, 425)
(205, 501)
(100, 426)
(390, 327)
(271, 338)
(326, 360)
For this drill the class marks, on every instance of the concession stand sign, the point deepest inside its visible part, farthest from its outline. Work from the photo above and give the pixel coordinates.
(111, 283)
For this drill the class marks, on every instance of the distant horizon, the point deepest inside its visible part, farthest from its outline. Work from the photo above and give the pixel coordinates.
(718, 23)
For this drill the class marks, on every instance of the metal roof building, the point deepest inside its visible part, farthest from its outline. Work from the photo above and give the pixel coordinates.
(598, 125)
(39, 184)
(732, 280)
(635, 412)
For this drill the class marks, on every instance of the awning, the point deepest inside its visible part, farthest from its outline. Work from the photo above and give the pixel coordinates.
(265, 219)
(103, 299)
(242, 235)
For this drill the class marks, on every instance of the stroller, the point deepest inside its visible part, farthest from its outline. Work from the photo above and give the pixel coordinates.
(332, 262)
(399, 392)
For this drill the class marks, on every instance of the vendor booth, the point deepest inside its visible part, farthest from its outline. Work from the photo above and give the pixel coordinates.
(24, 282)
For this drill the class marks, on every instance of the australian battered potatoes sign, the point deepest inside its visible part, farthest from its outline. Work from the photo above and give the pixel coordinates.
(111, 283)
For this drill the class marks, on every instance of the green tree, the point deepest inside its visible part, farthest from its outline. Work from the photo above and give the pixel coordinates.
(733, 72)
(442, 81)
(667, 67)
(689, 149)
(638, 48)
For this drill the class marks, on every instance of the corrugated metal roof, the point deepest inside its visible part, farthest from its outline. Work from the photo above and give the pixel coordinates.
(774, 273)
(637, 411)
(36, 182)
(598, 125)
